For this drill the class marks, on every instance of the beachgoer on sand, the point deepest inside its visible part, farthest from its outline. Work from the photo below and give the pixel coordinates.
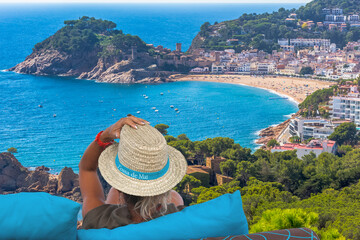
(142, 169)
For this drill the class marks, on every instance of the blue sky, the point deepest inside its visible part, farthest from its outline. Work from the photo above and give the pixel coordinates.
(153, 1)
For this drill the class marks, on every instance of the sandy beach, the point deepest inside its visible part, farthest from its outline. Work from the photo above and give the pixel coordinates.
(295, 89)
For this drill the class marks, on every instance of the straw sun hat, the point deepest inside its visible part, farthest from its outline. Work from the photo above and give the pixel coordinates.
(142, 164)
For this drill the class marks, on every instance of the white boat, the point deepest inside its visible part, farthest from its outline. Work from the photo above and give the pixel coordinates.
(138, 112)
(156, 110)
(153, 108)
(161, 93)
(172, 106)
(146, 97)
(54, 115)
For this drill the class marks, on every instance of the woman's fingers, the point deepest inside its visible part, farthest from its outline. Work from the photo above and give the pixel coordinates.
(117, 134)
(138, 120)
(130, 122)
(143, 120)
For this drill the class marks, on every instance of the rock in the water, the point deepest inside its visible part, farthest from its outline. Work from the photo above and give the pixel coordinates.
(15, 178)
(67, 180)
(11, 172)
(54, 62)
(42, 168)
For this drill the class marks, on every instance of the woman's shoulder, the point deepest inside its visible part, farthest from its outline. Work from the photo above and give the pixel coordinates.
(112, 216)
(171, 208)
(107, 216)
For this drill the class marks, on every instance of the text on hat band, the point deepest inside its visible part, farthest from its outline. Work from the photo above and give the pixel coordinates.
(143, 175)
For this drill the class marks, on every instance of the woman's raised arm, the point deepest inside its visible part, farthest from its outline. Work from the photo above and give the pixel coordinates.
(91, 190)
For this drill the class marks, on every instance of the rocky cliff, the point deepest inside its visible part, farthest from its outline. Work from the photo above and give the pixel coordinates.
(90, 66)
(15, 178)
(271, 133)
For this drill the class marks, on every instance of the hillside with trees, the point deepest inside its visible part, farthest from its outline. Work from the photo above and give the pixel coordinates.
(279, 190)
(262, 31)
(90, 34)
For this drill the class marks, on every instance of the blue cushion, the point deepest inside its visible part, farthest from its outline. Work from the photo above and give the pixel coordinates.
(219, 217)
(37, 216)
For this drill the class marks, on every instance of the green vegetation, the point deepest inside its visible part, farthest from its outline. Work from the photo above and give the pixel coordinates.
(312, 104)
(345, 134)
(276, 219)
(295, 139)
(306, 71)
(344, 149)
(162, 128)
(317, 192)
(262, 31)
(182, 137)
(272, 143)
(12, 150)
(88, 35)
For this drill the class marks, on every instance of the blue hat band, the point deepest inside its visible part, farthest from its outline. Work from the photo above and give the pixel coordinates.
(143, 175)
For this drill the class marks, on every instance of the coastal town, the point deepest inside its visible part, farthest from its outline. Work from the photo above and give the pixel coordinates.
(316, 58)
(297, 69)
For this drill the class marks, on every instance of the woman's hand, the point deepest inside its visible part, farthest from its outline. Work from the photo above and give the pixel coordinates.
(113, 132)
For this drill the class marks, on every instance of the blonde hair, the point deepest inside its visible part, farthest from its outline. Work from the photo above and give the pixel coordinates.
(148, 206)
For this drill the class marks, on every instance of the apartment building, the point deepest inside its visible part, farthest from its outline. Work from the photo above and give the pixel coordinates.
(306, 128)
(305, 42)
(347, 107)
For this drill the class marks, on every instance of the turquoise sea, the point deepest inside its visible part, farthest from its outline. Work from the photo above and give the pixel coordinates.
(83, 108)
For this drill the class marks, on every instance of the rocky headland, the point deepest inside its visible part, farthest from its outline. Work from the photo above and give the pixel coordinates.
(89, 66)
(272, 132)
(15, 178)
(93, 49)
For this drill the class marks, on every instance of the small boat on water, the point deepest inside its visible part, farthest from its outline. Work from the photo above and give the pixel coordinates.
(153, 108)
(146, 97)
(156, 110)
(138, 112)
(161, 93)
(54, 115)
(172, 106)
(40, 106)
(176, 109)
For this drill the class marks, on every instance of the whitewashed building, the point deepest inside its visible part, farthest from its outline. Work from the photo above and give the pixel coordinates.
(218, 68)
(346, 107)
(200, 70)
(305, 42)
(265, 68)
(306, 128)
(315, 146)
